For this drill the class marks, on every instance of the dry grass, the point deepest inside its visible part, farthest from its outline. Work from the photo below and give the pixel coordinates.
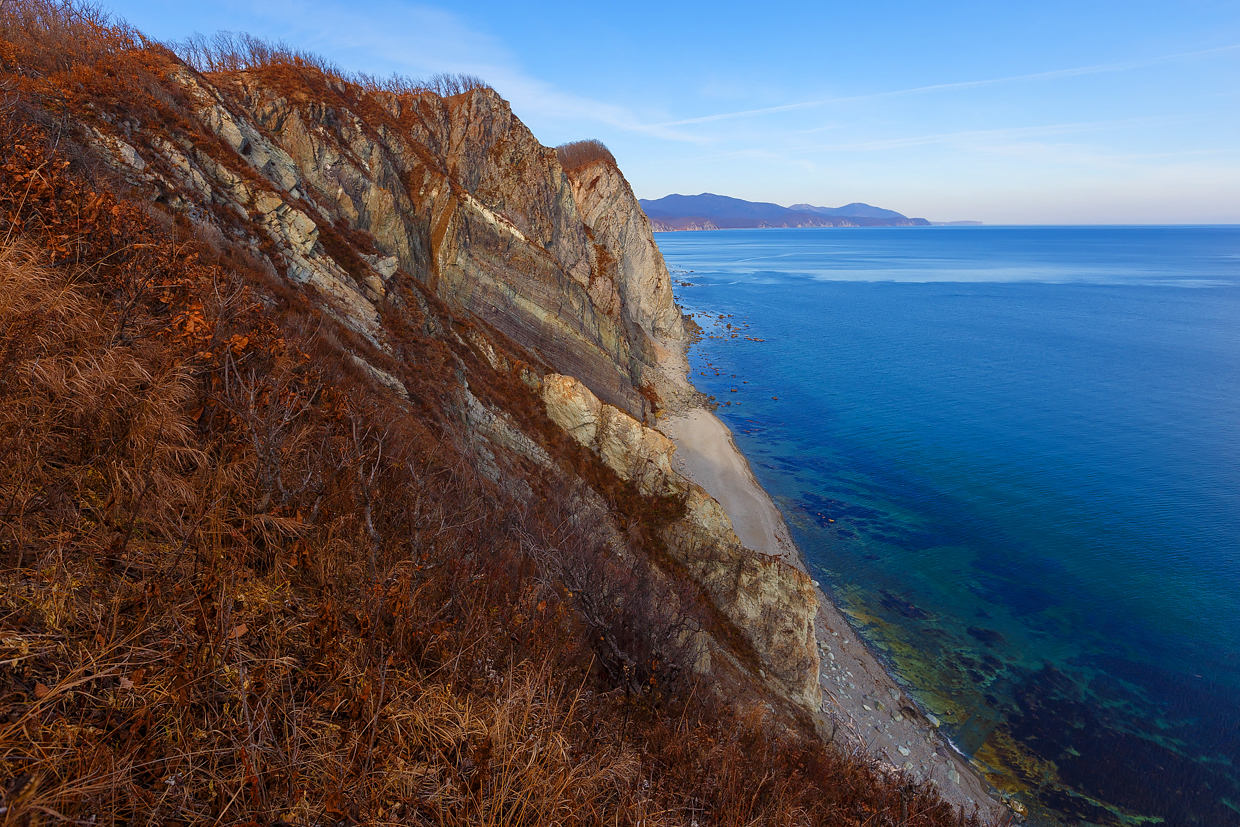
(240, 52)
(577, 154)
(238, 584)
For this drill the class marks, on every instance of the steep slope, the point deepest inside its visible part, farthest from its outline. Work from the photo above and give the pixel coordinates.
(455, 190)
(419, 182)
(327, 485)
(459, 193)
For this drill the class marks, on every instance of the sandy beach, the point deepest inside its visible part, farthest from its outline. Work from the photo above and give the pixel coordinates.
(706, 454)
(863, 706)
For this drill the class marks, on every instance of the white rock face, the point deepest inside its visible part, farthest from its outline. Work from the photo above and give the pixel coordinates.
(573, 408)
(635, 452)
(607, 205)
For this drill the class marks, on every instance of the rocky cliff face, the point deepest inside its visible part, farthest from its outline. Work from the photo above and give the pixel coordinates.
(342, 191)
(770, 600)
(632, 261)
(455, 191)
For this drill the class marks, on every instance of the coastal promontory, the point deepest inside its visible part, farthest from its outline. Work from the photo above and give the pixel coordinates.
(331, 484)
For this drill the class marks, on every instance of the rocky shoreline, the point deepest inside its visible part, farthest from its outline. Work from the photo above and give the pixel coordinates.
(863, 707)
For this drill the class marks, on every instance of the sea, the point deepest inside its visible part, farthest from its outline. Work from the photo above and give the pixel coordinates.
(1013, 456)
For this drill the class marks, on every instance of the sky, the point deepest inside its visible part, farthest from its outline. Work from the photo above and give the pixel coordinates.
(1009, 113)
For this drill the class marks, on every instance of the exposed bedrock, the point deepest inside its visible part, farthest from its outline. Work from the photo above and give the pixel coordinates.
(770, 601)
(342, 191)
(463, 196)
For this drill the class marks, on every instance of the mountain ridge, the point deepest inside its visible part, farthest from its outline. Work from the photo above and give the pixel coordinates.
(856, 208)
(708, 211)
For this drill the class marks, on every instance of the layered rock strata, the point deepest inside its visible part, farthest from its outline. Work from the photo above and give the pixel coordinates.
(772, 601)
(457, 192)
(347, 192)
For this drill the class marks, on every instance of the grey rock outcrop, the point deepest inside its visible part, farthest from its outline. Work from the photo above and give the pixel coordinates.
(460, 193)
(770, 601)
(630, 260)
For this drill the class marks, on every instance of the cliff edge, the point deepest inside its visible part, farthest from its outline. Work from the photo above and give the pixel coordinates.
(329, 490)
(457, 193)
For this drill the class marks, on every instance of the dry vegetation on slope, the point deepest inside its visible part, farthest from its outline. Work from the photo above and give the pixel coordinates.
(577, 154)
(243, 581)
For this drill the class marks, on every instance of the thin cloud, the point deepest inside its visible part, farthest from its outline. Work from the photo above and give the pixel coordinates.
(968, 84)
(982, 135)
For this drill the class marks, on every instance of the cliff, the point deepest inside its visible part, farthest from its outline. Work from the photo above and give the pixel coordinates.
(459, 194)
(453, 190)
(328, 479)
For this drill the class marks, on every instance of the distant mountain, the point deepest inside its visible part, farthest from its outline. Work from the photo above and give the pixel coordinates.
(856, 209)
(719, 212)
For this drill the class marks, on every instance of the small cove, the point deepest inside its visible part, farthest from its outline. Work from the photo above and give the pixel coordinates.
(1014, 455)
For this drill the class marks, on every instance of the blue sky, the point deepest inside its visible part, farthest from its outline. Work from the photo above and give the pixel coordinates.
(1050, 112)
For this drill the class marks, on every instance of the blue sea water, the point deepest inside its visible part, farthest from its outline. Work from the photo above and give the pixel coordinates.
(1014, 455)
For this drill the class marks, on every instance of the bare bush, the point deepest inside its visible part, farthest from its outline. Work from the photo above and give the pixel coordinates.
(446, 85)
(645, 627)
(64, 33)
(239, 52)
(578, 154)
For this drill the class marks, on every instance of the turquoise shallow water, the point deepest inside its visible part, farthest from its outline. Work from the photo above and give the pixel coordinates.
(1014, 453)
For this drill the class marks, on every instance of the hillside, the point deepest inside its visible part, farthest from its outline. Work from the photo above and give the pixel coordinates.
(328, 486)
(855, 209)
(720, 212)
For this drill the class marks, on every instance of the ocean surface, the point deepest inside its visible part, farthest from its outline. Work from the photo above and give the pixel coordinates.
(1013, 453)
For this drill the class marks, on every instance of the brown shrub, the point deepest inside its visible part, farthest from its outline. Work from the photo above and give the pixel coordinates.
(578, 154)
(240, 52)
(57, 35)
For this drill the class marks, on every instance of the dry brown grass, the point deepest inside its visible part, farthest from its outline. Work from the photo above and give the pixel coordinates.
(239, 584)
(577, 154)
(240, 52)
